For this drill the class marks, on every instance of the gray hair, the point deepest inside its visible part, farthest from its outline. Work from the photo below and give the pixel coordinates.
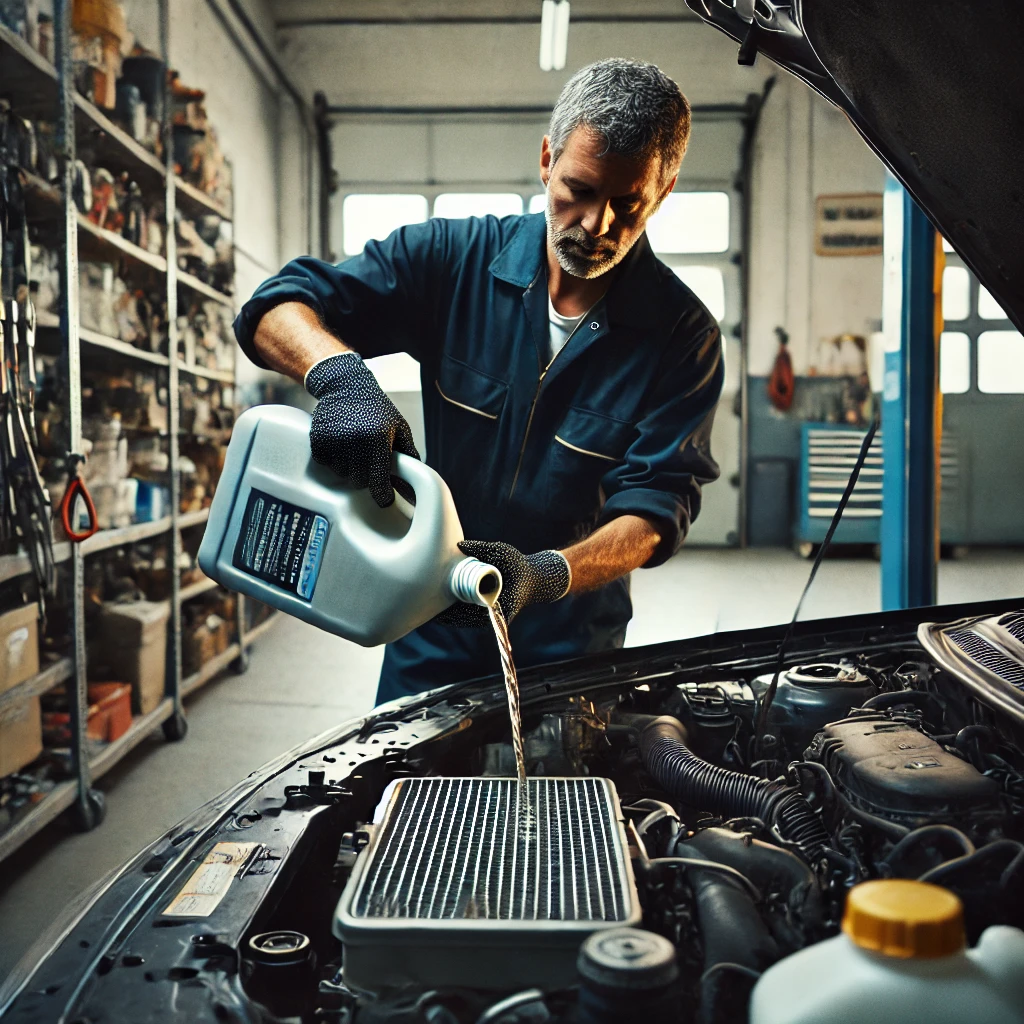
(634, 106)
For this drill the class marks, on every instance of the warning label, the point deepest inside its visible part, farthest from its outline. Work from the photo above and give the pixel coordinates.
(209, 883)
(281, 544)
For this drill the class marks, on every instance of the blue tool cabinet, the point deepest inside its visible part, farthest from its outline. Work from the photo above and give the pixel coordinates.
(828, 453)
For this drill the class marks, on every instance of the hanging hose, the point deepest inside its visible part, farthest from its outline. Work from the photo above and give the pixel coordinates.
(729, 794)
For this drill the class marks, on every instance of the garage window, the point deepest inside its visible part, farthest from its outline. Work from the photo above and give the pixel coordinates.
(477, 204)
(1001, 363)
(956, 294)
(988, 308)
(691, 222)
(954, 363)
(708, 285)
(376, 216)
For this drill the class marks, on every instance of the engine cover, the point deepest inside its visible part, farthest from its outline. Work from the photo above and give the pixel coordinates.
(483, 883)
(897, 772)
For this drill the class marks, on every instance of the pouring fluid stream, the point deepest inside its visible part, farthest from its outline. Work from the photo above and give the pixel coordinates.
(508, 668)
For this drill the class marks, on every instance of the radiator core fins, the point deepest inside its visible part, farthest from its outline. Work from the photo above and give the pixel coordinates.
(468, 880)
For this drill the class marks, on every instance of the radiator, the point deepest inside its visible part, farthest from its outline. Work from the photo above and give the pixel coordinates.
(986, 653)
(470, 881)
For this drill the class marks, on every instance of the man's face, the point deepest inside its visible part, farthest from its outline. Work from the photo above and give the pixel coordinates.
(598, 206)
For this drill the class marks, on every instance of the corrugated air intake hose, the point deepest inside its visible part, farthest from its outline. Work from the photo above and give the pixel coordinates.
(729, 794)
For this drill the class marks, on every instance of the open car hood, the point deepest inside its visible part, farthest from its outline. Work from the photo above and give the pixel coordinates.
(936, 90)
(174, 937)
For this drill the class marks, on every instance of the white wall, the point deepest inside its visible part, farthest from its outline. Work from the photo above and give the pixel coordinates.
(805, 148)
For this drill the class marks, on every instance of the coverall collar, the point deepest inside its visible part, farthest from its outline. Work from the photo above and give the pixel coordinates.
(632, 299)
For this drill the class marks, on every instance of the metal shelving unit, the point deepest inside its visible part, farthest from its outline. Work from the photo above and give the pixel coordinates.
(200, 587)
(36, 88)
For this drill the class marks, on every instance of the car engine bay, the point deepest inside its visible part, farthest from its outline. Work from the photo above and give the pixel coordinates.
(688, 821)
(652, 806)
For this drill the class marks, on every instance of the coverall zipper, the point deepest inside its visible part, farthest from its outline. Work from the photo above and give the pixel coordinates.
(536, 396)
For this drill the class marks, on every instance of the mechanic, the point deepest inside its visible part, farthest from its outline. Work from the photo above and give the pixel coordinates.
(569, 379)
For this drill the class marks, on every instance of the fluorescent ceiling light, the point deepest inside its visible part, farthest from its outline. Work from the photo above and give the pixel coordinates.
(554, 34)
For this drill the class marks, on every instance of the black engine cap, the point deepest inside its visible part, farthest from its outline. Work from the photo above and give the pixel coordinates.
(628, 958)
(279, 947)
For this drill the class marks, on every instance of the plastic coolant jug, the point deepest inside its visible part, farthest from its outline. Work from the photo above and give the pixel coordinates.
(900, 960)
(285, 530)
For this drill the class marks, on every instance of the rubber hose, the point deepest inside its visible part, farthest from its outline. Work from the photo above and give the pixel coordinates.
(926, 848)
(732, 932)
(962, 742)
(973, 865)
(881, 701)
(729, 794)
(989, 882)
(771, 868)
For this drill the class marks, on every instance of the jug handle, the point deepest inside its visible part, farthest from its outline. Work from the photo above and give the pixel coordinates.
(429, 507)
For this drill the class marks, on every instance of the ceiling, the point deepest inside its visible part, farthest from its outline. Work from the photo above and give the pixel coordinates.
(304, 12)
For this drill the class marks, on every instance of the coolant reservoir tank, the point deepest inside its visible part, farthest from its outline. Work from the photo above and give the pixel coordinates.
(901, 958)
(286, 531)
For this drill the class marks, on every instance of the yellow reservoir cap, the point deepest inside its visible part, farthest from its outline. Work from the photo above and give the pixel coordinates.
(902, 918)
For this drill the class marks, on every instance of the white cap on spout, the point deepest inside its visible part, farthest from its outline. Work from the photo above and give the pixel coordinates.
(475, 582)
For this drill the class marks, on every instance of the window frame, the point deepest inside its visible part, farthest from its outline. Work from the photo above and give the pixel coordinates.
(725, 261)
(478, 192)
(1012, 331)
(973, 325)
(942, 342)
(382, 192)
(729, 213)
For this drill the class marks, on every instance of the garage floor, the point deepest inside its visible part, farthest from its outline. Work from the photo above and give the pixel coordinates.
(302, 681)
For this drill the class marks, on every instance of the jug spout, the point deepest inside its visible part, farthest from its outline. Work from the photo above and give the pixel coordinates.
(475, 582)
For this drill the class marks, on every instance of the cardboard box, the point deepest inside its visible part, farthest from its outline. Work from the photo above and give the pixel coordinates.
(221, 636)
(21, 735)
(19, 645)
(134, 638)
(199, 645)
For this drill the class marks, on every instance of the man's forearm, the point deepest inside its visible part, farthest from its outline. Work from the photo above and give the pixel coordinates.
(617, 548)
(290, 339)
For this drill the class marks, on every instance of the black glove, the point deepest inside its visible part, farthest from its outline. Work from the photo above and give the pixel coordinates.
(356, 426)
(526, 579)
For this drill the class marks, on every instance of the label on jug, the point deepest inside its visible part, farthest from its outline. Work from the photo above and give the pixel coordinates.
(281, 544)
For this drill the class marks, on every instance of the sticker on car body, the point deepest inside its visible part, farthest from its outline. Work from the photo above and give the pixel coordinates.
(209, 883)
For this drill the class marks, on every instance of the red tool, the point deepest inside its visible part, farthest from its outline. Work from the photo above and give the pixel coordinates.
(76, 487)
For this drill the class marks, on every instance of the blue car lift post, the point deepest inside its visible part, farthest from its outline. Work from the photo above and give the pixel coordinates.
(911, 406)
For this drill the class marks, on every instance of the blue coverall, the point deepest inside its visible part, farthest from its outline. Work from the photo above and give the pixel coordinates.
(618, 424)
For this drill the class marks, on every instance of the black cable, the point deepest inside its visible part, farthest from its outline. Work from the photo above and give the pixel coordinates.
(25, 510)
(761, 725)
(724, 966)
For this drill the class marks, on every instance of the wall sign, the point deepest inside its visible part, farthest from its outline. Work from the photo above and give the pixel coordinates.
(848, 225)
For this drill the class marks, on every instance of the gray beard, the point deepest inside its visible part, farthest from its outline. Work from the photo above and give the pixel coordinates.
(580, 259)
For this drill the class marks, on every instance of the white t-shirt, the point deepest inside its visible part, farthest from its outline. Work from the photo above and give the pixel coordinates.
(559, 328)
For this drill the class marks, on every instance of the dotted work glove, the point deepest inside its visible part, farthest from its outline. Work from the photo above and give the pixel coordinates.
(356, 426)
(526, 579)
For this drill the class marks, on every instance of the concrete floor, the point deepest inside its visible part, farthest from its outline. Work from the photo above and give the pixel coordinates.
(302, 681)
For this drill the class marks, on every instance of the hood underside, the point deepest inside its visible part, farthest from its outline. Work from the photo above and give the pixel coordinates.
(936, 89)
